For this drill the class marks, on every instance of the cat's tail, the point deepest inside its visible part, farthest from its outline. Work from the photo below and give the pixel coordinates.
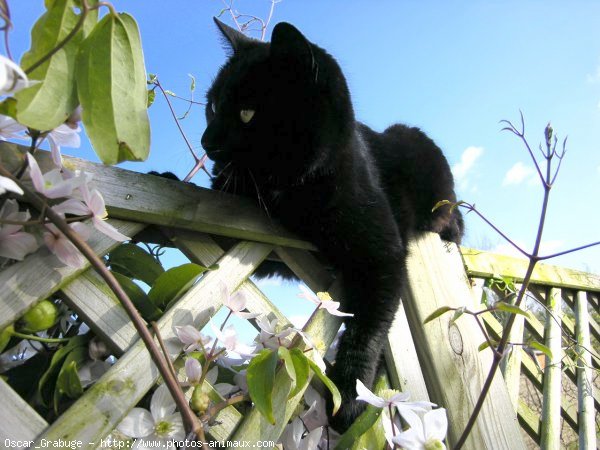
(455, 229)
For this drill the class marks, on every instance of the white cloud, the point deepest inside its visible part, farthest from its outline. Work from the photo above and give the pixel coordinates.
(462, 170)
(517, 174)
(467, 160)
(594, 77)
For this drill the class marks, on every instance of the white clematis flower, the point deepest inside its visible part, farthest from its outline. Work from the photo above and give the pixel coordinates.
(323, 301)
(400, 401)
(426, 434)
(159, 425)
(53, 184)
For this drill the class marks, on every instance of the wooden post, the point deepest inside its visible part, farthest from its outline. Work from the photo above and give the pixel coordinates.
(552, 373)
(453, 368)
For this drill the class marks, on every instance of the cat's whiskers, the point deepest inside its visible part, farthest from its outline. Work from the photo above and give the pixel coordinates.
(261, 201)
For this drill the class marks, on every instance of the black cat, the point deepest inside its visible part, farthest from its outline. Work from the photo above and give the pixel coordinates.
(281, 129)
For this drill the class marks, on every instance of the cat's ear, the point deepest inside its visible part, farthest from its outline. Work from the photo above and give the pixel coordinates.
(288, 43)
(234, 38)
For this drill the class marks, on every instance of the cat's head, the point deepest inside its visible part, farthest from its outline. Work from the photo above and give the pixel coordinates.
(278, 106)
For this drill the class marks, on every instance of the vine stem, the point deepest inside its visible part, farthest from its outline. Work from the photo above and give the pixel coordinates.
(33, 337)
(190, 420)
(199, 161)
(533, 260)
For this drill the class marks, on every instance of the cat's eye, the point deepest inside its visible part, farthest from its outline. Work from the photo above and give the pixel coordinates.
(213, 107)
(246, 115)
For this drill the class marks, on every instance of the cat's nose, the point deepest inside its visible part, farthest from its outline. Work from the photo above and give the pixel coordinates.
(210, 144)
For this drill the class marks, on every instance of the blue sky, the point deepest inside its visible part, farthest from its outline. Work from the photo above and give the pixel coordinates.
(455, 69)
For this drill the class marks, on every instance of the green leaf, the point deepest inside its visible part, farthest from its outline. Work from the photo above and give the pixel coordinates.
(9, 108)
(46, 105)
(111, 84)
(437, 313)
(173, 283)
(366, 421)
(193, 82)
(151, 97)
(301, 368)
(5, 336)
(440, 204)
(68, 382)
(140, 299)
(135, 262)
(261, 377)
(507, 307)
(45, 383)
(541, 347)
(457, 313)
(335, 393)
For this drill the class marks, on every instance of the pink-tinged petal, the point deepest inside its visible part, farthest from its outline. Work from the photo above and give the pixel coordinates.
(188, 335)
(106, 228)
(193, 370)
(409, 440)
(138, 423)
(236, 302)
(83, 230)
(55, 152)
(96, 204)
(246, 315)
(66, 136)
(72, 206)
(162, 403)
(6, 184)
(36, 174)
(308, 295)
(64, 250)
(366, 395)
(17, 245)
(333, 308)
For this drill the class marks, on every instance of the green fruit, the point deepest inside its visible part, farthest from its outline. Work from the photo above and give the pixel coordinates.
(41, 317)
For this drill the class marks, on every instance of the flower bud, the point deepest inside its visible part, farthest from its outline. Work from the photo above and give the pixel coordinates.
(41, 317)
(200, 400)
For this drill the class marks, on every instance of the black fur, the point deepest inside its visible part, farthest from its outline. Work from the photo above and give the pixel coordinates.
(355, 193)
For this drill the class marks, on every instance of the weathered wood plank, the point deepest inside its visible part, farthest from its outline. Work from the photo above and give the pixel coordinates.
(41, 274)
(203, 249)
(550, 434)
(95, 302)
(529, 420)
(19, 422)
(454, 369)
(103, 406)
(486, 264)
(402, 360)
(585, 385)
(160, 201)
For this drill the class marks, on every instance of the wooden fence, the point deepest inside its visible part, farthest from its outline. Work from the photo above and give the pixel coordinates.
(438, 361)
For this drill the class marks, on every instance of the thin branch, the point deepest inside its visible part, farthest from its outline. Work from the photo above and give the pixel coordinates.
(521, 135)
(576, 249)
(470, 207)
(187, 142)
(189, 418)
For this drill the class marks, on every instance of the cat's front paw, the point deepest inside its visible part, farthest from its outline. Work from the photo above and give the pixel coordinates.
(349, 410)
